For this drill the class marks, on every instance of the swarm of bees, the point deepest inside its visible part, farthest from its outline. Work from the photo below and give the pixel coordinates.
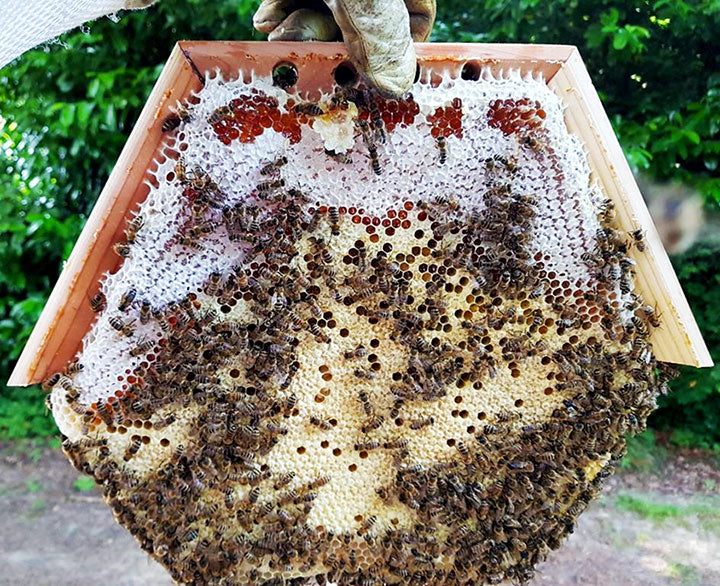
(412, 399)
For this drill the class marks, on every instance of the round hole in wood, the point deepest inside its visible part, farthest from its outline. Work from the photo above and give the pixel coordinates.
(345, 74)
(284, 74)
(471, 71)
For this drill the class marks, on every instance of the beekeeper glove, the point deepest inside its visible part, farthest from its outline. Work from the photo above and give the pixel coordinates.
(379, 34)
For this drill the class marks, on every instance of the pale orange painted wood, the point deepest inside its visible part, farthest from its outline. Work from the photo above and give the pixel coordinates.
(67, 317)
(316, 61)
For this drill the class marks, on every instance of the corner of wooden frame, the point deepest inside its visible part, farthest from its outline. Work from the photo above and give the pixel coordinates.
(678, 339)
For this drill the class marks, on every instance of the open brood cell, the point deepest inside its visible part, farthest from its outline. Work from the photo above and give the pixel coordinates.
(361, 339)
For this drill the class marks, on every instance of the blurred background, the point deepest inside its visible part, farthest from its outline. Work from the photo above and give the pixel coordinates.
(67, 107)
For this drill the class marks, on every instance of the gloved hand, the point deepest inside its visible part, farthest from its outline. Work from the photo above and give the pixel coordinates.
(379, 34)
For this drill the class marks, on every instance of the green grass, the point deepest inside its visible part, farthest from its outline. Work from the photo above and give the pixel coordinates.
(653, 510)
(37, 507)
(686, 575)
(84, 484)
(33, 486)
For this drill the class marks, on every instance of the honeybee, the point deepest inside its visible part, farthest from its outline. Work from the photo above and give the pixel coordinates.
(201, 182)
(122, 249)
(342, 158)
(367, 524)
(373, 423)
(133, 448)
(214, 283)
(142, 348)
(319, 482)
(367, 446)
(74, 368)
(319, 334)
(377, 123)
(607, 211)
(284, 480)
(133, 227)
(537, 292)
(190, 242)
(172, 121)
(219, 113)
(98, 302)
(179, 451)
(359, 352)
(198, 208)
(441, 144)
(103, 412)
(65, 382)
(592, 258)
(274, 166)
(447, 202)
(50, 382)
(495, 162)
(71, 395)
(126, 299)
(145, 312)
(374, 160)
(308, 109)
(420, 423)
(346, 94)
(639, 325)
(396, 444)
(639, 239)
(126, 329)
(266, 187)
(324, 424)
(530, 142)
(626, 283)
(648, 311)
(364, 374)
(366, 133)
(334, 220)
(164, 422)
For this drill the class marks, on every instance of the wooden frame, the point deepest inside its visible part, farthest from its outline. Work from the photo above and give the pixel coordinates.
(67, 317)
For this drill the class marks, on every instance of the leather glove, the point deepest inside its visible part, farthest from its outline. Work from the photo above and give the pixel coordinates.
(379, 34)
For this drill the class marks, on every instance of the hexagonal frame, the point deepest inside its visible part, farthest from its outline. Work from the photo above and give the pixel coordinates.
(67, 317)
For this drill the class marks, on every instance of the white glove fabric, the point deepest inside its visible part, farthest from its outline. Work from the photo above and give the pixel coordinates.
(27, 23)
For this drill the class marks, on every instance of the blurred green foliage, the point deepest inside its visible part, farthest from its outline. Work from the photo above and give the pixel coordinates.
(644, 454)
(691, 411)
(656, 65)
(84, 484)
(66, 110)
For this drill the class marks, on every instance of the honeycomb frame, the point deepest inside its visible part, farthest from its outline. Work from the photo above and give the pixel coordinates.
(211, 420)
